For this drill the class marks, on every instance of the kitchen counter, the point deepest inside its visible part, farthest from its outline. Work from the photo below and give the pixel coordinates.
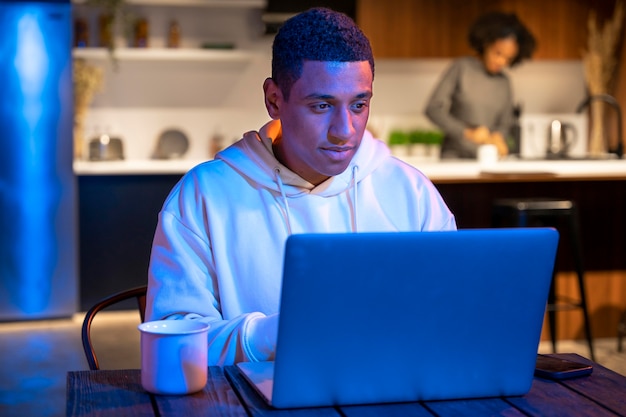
(439, 172)
(119, 204)
(135, 167)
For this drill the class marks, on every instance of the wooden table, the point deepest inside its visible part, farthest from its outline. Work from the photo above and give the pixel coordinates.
(118, 393)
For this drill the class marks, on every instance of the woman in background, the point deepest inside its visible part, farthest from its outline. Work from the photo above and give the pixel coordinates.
(473, 102)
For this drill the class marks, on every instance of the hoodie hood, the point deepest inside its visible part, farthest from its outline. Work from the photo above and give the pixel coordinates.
(252, 157)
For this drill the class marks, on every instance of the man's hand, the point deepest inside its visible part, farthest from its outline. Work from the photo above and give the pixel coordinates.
(262, 338)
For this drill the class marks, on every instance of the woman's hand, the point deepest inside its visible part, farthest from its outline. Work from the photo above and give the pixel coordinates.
(478, 134)
(496, 139)
(482, 136)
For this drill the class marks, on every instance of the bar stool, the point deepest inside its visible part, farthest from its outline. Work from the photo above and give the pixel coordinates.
(529, 212)
(621, 332)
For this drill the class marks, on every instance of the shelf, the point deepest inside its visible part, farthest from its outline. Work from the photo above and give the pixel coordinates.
(164, 54)
(201, 3)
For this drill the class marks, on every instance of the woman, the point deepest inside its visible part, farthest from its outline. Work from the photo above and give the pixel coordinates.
(473, 102)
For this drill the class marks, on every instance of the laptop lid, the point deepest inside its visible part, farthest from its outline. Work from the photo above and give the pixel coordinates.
(406, 316)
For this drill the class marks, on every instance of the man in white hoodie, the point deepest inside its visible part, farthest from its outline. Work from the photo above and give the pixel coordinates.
(218, 249)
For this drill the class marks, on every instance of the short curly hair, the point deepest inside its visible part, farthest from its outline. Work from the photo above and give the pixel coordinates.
(317, 34)
(493, 26)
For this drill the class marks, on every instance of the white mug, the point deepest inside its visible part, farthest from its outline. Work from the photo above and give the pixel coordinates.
(487, 154)
(174, 356)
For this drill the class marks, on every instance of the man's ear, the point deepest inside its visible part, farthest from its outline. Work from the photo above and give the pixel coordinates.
(273, 97)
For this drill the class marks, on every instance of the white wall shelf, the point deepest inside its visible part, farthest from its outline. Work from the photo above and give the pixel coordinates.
(201, 3)
(164, 54)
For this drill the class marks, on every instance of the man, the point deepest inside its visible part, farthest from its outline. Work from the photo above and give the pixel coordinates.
(218, 249)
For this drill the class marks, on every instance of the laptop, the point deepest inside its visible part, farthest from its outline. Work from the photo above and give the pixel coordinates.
(407, 316)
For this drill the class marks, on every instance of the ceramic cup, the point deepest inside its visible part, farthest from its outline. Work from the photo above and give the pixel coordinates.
(487, 154)
(173, 356)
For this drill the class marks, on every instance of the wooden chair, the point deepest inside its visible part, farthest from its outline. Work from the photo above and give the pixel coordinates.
(138, 293)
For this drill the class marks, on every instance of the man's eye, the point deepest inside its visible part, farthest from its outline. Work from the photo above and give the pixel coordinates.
(360, 106)
(321, 106)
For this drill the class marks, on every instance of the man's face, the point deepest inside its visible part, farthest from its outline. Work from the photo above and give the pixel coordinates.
(324, 119)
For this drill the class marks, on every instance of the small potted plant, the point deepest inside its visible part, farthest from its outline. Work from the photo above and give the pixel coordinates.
(399, 143)
(419, 144)
(425, 144)
(434, 138)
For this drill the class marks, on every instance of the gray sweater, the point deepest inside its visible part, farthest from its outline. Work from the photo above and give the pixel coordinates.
(467, 96)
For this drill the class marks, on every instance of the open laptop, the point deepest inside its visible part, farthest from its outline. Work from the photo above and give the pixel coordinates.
(406, 316)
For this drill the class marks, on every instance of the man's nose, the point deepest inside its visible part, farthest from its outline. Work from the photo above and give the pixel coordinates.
(341, 127)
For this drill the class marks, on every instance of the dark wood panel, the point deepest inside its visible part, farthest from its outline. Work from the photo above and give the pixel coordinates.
(117, 218)
(602, 210)
(429, 29)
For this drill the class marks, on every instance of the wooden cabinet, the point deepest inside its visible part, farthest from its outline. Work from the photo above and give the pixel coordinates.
(436, 29)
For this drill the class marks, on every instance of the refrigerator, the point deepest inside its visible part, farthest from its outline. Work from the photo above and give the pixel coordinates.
(38, 209)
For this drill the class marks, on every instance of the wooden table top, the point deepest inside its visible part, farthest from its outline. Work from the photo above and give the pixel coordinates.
(119, 393)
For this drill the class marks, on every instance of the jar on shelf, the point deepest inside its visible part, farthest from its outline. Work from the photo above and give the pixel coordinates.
(105, 30)
(141, 33)
(173, 35)
(81, 33)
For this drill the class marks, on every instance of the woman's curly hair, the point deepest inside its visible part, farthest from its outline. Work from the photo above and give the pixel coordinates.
(318, 34)
(493, 26)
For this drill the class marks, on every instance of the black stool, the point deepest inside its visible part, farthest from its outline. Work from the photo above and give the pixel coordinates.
(531, 212)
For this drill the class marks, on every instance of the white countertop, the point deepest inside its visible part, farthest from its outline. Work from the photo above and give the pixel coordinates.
(435, 170)
(135, 167)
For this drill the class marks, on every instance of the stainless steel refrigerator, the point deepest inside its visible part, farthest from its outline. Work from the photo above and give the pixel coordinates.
(38, 251)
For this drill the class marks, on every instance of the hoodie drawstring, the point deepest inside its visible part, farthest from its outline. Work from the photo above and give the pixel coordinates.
(355, 169)
(287, 214)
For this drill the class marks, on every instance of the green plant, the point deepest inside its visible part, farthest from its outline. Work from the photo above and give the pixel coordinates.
(397, 137)
(113, 13)
(417, 136)
(435, 137)
(427, 137)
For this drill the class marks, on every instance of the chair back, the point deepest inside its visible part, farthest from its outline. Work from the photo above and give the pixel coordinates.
(139, 293)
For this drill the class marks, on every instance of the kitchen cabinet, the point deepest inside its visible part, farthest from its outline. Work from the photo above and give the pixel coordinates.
(601, 206)
(428, 29)
(117, 218)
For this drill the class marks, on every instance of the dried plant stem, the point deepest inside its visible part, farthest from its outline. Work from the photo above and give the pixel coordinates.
(599, 63)
(88, 80)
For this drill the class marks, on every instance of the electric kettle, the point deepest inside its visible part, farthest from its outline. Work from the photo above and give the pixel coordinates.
(561, 136)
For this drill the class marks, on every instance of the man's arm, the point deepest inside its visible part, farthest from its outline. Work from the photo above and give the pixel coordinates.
(182, 285)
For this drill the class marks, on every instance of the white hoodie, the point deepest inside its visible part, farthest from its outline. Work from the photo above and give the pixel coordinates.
(217, 254)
